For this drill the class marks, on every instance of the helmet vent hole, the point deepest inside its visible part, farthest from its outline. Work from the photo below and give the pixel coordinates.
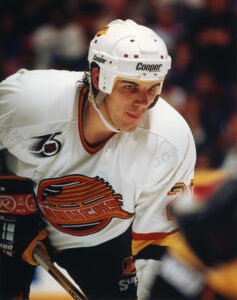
(95, 41)
(125, 55)
(136, 56)
(132, 41)
(162, 57)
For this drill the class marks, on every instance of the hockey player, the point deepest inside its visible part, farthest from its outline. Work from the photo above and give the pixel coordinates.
(101, 159)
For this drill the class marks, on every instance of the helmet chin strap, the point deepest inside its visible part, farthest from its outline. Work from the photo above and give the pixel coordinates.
(96, 103)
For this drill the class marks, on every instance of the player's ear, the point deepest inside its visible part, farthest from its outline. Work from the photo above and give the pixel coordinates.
(95, 77)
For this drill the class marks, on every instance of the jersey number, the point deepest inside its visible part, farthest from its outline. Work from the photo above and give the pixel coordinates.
(179, 190)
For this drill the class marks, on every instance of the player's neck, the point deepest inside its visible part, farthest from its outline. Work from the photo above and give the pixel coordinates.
(93, 128)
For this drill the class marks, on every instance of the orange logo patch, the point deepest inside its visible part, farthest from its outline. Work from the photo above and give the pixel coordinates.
(128, 266)
(102, 31)
(79, 205)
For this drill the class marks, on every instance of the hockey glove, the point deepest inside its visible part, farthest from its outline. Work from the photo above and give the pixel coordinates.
(20, 222)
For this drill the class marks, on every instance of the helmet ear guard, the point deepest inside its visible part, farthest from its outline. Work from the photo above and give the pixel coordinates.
(154, 102)
(128, 50)
(96, 96)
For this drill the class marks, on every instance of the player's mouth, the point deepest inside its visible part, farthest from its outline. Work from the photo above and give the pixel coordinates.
(134, 116)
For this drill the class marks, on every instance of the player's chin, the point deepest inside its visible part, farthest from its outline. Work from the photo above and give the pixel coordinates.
(129, 125)
(130, 128)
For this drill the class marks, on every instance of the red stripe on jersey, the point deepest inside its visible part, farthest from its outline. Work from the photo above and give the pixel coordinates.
(151, 235)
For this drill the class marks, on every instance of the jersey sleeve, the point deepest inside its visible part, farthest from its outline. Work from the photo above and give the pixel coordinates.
(155, 223)
(8, 93)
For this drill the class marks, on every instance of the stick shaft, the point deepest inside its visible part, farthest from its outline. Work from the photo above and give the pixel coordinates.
(48, 265)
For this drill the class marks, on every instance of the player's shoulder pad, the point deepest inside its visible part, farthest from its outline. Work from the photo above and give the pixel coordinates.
(32, 96)
(167, 122)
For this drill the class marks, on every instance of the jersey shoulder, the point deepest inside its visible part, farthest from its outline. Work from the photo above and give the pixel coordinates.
(166, 122)
(31, 97)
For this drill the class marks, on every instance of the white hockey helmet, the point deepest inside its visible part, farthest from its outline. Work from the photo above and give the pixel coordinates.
(128, 50)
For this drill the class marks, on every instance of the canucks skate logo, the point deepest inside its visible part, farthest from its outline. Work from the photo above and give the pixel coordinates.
(45, 145)
(128, 266)
(79, 205)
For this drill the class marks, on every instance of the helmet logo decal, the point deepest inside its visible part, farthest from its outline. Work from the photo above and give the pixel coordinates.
(99, 59)
(79, 205)
(102, 31)
(148, 67)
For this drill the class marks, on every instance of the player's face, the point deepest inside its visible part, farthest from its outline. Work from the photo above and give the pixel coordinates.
(128, 102)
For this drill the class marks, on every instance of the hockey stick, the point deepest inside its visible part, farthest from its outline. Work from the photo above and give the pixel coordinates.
(43, 260)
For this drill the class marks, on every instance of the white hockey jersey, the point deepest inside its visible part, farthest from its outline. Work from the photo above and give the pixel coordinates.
(90, 195)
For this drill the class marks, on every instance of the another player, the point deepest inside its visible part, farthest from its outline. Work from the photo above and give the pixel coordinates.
(206, 260)
(107, 158)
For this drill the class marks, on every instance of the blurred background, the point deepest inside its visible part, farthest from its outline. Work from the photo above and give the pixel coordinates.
(201, 36)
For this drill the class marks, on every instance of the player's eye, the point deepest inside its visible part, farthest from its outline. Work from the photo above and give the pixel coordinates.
(130, 86)
(154, 88)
